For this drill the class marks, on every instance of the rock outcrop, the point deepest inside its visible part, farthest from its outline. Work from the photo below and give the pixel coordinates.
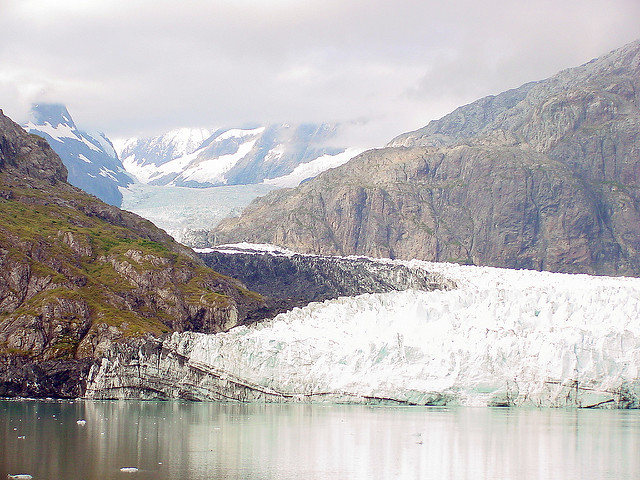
(546, 176)
(297, 279)
(78, 274)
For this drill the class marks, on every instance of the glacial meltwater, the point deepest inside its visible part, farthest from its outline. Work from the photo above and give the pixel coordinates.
(181, 440)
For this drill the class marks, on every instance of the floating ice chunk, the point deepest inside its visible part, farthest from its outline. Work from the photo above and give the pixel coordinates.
(82, 423)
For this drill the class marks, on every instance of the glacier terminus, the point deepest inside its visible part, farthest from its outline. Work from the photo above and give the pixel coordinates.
(498, 338)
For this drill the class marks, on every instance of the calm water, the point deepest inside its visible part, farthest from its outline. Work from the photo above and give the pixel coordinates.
(175, 440)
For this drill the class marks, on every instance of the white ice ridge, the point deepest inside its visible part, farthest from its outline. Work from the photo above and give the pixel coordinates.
(504, 337)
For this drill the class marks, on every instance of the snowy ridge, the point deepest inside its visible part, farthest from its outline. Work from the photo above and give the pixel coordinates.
(283, 154)
(212, 171)
(246, 247)
(504, 337)
(157, 150)
(181, 165)
(90, 158)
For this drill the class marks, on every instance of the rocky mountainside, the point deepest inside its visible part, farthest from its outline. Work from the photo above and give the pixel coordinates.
(236, 156)
(90, 158)
(545, 177)
(78, 274)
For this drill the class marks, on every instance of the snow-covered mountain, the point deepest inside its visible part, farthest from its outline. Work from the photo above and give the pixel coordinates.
(140, 156)
(90, 158)
(191, 179)
(283, 155)
(502, 337)
(173, 171)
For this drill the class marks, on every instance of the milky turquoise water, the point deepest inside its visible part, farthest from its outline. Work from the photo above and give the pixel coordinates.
(179, 440)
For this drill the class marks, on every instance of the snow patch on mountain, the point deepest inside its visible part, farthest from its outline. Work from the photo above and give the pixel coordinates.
(56, 133)
(160, 149)
(212, 171)
(310, 169)
(234, 156)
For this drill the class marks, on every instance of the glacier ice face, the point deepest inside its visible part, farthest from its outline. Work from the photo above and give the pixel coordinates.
(504, 337)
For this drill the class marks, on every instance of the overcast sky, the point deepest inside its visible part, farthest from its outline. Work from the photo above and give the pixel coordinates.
(142, 67)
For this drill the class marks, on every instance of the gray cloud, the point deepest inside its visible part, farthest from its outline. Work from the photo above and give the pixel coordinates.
(142, 67)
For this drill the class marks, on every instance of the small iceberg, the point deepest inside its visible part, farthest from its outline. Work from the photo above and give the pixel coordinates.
(82, 423)
(129, 469)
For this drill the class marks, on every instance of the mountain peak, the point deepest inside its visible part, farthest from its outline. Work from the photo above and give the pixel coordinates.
(52, 113)
(90, 158)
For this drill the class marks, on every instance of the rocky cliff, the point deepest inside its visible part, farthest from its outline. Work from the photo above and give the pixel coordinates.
(78, 274)
(545, 176)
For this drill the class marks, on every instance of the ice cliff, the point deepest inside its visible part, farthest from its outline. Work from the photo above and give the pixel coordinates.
(503, 337)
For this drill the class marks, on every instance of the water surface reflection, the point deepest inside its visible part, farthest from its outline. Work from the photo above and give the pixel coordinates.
(168, 440)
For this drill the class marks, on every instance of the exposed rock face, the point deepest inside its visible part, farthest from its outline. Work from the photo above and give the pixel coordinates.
(161, 370)
(299, 279)
(79, 274)
(545, 176)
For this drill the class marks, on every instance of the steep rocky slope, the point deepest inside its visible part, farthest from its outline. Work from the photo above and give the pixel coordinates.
(545, 176)
(78, 274)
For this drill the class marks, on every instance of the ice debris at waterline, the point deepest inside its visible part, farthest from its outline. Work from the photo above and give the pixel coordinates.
(504, 337)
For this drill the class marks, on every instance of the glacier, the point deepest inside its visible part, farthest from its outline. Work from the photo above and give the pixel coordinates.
(182, 210)
(501, 338)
